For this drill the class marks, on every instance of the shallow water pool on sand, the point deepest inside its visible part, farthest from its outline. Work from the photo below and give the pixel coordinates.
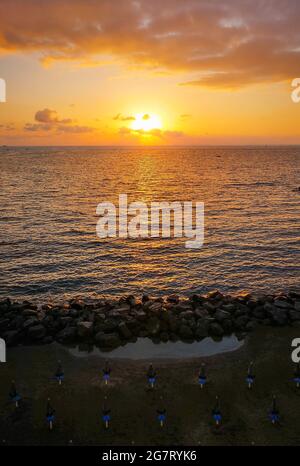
(144, 348)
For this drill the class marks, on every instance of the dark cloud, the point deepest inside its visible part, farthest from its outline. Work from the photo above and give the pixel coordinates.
(120, 117)
(50, 116)
(49, 120)
(229, 43)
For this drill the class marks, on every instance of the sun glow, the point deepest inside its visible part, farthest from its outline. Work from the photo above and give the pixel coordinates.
(146, 122)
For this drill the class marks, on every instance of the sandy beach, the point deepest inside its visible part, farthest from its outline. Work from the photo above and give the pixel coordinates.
(78, 401)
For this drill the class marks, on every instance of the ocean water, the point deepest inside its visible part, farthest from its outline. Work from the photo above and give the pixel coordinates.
(144, 348)
(49, 247)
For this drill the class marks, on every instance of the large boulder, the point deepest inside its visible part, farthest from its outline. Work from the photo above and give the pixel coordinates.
(107, 340)
(124, 331)
(68, 334)
(297, 306)
(30, 322)
(279, 316)
(185, 332)
(282, 304)
(153, 326)
(110, 325)
(221, 315)
(202, 329)
(37, 332)
(216, 329)
(85, 329)
(12, 337)
(241, 322)
(294, 315)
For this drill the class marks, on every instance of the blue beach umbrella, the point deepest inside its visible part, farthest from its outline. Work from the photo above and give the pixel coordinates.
(59, 374)
(297, 375)
(14, 395)
(250, 376)
(50, 414)
(151, 376)
(106, 372)
(106, 416)
(161, 413)
(216, 412)
(274, 413)
(202, 379)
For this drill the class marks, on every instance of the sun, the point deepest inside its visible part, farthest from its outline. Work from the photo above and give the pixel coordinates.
(146, 122)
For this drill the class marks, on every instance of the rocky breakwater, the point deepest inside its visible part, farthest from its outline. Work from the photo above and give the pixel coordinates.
(109, 323)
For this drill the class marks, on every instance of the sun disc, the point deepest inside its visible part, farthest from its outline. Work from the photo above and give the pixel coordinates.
(146, 122)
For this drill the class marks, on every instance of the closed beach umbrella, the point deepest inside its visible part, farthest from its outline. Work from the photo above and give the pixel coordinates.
(106, 372)
(250, 375)
(216, 412)
(50, 414)
(202, 376)
(151, 376)
(14, 395)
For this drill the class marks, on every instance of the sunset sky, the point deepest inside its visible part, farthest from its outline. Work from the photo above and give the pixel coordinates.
(104, 72)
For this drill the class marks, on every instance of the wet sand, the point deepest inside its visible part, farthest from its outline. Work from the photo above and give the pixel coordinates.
(78, 400)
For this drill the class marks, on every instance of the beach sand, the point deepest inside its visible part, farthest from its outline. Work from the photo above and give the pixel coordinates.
(78, 401)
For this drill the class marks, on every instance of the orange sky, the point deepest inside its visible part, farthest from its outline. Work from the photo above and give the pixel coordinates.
(96, 72)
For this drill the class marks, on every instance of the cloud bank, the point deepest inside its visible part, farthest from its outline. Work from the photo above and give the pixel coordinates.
(229, 43)
(48, 120)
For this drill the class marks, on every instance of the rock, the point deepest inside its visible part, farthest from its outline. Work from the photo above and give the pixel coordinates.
(47, 340)
(119, 310)
(259, 312)
(227, 326)
(174, 299)
(29, 313)
(297, 306)
(145, 298)
(200, 312)
(68, 334)
(108, 339)
(202, 329)
(185, 332)
(36, 332)
(229, 307)
(241, 322)
(5, 306)
(187, 315)
(85, 329)
(4, 323)
(110, 325)
(250, 326)
(30, 322)
(294, 315)
(17, 322)
(244, 296)
(216, 329)
(214, 295)
(164, 336)
(64, 321)
(220, 315)
(279, 316)
(209, 307)
(140, 315)
(12, 337)
(124, 331)
(266, 321)
(153, 326)
(282, 304)
(155, 307)
(77, 304)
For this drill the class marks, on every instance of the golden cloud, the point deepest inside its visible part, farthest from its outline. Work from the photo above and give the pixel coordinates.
(231, 43)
